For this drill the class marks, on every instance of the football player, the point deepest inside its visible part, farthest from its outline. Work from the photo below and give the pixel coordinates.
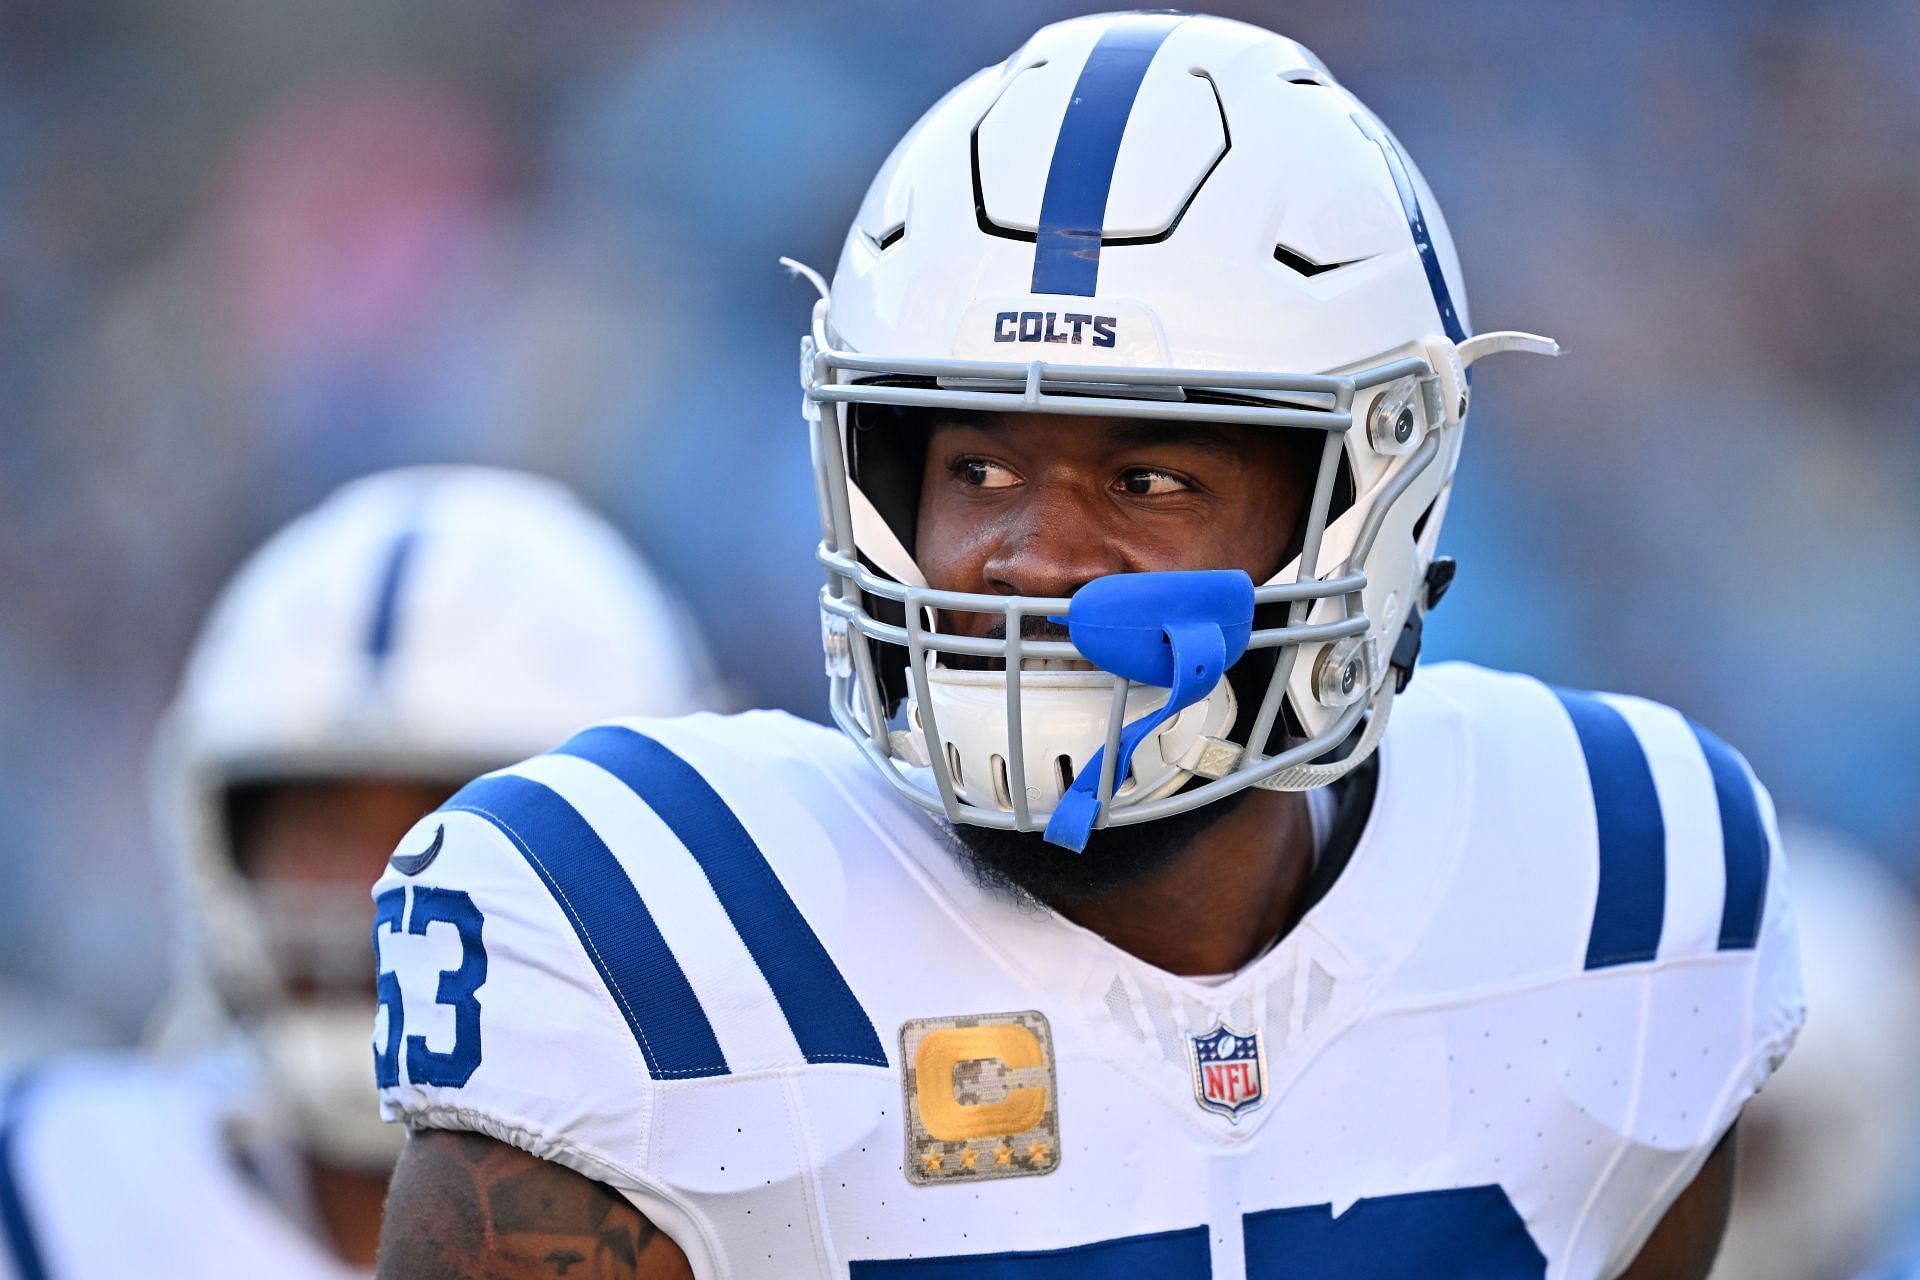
(419, 625)
(1150, 914)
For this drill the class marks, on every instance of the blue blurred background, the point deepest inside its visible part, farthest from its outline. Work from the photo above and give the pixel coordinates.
(248, 251)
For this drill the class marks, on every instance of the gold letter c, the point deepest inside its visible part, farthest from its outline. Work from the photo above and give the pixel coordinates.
(940, 1054)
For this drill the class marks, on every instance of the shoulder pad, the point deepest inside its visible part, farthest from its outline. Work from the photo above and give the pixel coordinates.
(1623, 832)
(596, 920)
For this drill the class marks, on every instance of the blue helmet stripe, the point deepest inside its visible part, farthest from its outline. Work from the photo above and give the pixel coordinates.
(1744, 844)
(1417, 224)
(22, 1248)
(1630, 908)
(1073, 210)
(386, 605)
(827, 1021)
(615, 928)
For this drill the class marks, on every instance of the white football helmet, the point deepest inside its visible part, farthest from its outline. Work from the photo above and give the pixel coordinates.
(426, 624)
(1160, 216)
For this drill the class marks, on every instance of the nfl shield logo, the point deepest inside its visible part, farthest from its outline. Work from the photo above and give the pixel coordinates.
(1229, 1070)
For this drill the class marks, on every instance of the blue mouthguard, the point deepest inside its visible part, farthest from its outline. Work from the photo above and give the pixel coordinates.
(1178, 630)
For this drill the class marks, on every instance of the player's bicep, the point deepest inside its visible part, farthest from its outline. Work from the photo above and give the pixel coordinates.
(466, 1207)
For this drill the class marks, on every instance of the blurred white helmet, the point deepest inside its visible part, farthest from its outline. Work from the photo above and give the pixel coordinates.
(1144, 215)
(1826, 1151)
(425, 625)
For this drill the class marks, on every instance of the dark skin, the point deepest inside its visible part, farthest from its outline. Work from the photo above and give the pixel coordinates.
(466, 1206)
(333, 837)
(1038, 505)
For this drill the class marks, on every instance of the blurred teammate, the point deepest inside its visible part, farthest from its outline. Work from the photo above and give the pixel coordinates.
(1120, 932)
(418, 626)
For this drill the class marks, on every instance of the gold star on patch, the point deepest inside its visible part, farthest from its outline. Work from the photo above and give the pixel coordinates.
(1037, 1152)
(931, 1161)
(1003, 1154)
(969, 1159)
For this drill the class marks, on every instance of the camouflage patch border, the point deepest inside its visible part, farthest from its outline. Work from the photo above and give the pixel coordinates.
(982, 1089)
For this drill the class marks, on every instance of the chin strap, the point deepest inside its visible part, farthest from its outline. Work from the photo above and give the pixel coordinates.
(1216, 757)
(1305, 777)
(1180, 631)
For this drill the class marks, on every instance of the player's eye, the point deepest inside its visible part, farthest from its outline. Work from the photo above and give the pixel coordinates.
(982, 474)
(1148, 483)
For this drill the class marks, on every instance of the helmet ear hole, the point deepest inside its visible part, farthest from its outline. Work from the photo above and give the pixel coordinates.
(1420, 525)
(1344, 489)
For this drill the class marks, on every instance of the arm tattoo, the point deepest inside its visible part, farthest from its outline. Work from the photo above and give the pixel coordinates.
(465, 1207)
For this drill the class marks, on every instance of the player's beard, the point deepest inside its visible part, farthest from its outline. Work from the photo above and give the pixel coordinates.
(1024, 864)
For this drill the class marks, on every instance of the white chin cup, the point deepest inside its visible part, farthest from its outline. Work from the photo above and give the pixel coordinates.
(1063, 721)
(319, 1061)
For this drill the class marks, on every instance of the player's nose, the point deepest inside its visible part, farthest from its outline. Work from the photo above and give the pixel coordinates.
(1052, 546)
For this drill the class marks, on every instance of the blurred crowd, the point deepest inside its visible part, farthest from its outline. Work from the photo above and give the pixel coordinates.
(248, 251)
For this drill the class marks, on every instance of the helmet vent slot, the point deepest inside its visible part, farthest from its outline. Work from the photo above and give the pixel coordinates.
(953, 765)
(1002, 791)
(1299, 262)
(1420, 525)
(1063, 769)
(881, 241)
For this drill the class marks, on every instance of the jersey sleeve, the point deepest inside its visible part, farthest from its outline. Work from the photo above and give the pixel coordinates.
(493, 1013)
(1719, 996)
(1728, 962)
(607, 956)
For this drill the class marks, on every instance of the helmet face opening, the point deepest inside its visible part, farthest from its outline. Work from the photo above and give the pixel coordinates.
(951, 693)
(887, 450)
(303, 851)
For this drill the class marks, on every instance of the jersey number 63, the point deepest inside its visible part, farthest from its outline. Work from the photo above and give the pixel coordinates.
(430, 906)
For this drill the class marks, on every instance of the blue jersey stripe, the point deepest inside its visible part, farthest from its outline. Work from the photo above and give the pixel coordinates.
(1172, 1255)
(1744, 844)
(1631, 904)
(386, 605)
(827, 1021)
(1417, 224)
(1073, 209)
(1461, 1231)
(615, 927)
(22, 1248)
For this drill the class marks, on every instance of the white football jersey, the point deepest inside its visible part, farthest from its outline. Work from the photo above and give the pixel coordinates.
(717, 964)
(117, 1165)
